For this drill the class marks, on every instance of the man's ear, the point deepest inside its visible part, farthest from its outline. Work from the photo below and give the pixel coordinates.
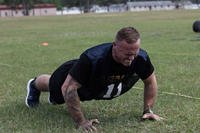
(114, 44)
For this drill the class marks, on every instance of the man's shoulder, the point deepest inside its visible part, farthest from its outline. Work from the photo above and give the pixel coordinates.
(98, 51)
(143, 54)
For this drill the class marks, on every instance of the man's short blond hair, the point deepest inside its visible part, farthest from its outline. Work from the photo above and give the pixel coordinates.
(129, 34)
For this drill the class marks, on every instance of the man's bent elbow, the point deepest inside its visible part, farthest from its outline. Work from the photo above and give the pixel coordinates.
(69, 85)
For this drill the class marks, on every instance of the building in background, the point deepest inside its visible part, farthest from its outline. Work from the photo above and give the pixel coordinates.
(50, 9)
(43, 10)
(37, 10)
(4, 11)
(150, 5)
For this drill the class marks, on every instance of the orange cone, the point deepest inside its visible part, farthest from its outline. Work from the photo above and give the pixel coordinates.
(45, 43)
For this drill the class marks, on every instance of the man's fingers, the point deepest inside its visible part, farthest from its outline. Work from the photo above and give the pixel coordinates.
(89, 127)
(160, 118)
(146, 116)
(93, 128)
(157, 118)
(94, 121)
(151, 116)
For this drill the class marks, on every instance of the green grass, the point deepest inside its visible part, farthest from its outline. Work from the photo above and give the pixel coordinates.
(166, 35)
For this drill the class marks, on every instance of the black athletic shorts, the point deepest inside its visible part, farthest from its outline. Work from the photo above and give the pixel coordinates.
(57, 79)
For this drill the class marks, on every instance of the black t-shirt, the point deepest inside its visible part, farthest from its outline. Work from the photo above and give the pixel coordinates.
(103, 78)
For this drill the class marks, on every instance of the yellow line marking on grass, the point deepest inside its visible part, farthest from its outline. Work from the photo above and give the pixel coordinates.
(174, 94)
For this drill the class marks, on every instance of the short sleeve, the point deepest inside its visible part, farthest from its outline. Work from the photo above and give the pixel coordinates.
(144, 67)
(81, 70)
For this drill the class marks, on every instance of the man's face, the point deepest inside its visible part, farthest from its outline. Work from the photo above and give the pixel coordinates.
(125, 53)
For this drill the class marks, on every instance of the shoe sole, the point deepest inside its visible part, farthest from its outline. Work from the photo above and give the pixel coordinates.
(28, 90)
(52, 103)
(49, 100)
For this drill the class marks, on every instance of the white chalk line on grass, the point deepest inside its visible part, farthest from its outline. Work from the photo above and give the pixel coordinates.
(10, 66)
(3, 64)
(177, 54)
(174, 94)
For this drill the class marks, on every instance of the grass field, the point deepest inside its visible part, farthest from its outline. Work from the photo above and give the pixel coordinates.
(167, 36)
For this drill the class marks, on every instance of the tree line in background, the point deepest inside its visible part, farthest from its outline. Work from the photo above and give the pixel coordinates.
(84, 5)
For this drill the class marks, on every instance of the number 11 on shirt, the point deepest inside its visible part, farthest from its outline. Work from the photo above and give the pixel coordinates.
(110, 90)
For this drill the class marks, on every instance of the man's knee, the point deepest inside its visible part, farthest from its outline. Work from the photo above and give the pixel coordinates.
(42, 82)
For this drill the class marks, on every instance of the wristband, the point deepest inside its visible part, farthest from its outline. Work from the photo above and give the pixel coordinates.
(147, 111)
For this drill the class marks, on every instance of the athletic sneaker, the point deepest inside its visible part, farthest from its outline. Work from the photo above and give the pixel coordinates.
(33, 95)
(51, 101)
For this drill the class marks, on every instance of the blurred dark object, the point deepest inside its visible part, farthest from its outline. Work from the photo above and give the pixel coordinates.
(196, 26)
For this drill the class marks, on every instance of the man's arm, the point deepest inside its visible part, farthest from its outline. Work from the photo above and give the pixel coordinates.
(150, 92)
(69, 91)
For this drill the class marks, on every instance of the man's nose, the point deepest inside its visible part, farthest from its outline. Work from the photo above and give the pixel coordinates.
(131, 57)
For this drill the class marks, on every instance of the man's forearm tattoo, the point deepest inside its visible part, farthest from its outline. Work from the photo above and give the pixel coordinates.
(73, 104)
